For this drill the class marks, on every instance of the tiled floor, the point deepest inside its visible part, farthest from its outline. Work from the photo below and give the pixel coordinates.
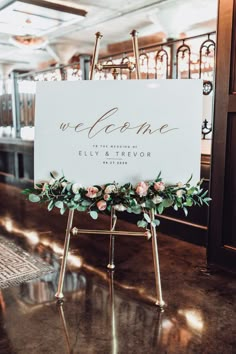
(111, 313)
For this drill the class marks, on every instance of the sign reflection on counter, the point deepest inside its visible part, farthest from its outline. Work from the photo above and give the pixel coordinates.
(95, 132)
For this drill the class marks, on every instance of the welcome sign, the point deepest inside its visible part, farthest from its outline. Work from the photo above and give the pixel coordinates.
(95, 132)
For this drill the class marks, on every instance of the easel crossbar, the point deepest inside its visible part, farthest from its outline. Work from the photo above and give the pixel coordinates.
(76, 231)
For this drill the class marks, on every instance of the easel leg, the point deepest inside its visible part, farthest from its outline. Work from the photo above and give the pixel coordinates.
(59, 293)
(114, 349)
(111, 264)
(65, 329)
(159, 301)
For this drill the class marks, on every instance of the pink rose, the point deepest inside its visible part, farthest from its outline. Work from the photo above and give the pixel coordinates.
(106, 196)
(92, 192)
(101, 204)
(142, 189)
(159, 186)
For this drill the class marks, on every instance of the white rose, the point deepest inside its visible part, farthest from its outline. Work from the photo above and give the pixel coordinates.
(180, 193)
(119, 207)
(110, 188)
(76, 187)
(157, 199)
(52, 181)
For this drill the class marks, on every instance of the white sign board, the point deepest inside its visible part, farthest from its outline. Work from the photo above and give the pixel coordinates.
(96, 132)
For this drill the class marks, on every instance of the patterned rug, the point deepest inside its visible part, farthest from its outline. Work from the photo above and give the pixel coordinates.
(17, 266)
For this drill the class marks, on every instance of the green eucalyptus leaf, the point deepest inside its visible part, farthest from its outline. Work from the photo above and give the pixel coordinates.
(204, 194)
(93, 214)
(68, 187)
(167, 203)
(133, 202)
(62, 179)
(142, 223)
(51, 205)
(51, 174)
(34, 198)
(207, 199)
(147, 217)
(77, 197)
(63, 190)
(158, 177)
(185, 211)
(149, 204)
(191, 191)
(155, 222)
(72, 206)
(160, 208)
(62, 210)
(81, 208)
(28, 191)
(136, 209)
(85, 203)
(189, 179)
(59, 204)
(189, 202)
(127, 186)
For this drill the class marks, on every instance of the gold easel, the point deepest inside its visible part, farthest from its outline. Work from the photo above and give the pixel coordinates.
(75, 231)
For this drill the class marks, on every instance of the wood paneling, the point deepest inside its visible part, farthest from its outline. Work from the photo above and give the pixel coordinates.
(221, 230)
(233, 54)
(229, 224)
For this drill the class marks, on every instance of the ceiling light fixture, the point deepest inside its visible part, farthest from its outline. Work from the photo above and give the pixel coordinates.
(28, 41)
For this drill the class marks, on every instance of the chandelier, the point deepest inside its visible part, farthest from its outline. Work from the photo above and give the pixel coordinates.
(28, 41)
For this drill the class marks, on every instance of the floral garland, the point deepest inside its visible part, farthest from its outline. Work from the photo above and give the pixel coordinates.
(141, 198)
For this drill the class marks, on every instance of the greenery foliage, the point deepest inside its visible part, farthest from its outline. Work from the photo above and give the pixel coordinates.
(138, 199)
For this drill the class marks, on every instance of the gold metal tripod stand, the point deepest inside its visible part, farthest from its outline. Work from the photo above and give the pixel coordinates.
(113, 219)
